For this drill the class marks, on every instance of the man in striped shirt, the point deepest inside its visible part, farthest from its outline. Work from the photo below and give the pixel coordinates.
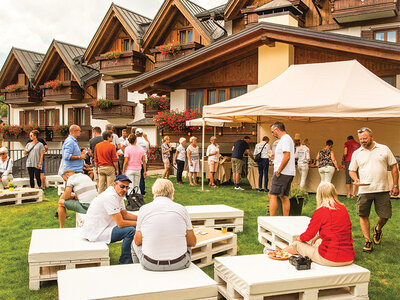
(80, 190)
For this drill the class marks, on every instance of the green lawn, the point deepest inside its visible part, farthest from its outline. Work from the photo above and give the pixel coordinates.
(16, 223)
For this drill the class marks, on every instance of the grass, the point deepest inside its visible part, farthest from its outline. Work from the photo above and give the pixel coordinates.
(17, 222)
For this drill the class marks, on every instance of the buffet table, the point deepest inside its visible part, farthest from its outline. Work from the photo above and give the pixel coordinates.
(223, 173)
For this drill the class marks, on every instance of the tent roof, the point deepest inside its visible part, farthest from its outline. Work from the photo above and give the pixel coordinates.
(213, 122)
(324, 90)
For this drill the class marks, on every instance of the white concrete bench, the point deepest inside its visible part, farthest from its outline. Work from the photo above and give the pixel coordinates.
(278, 232)
(21, 182)
(60, 189)
(257, 277)
(18, 195)
(54, 181)
(133, 282)
(57, 249)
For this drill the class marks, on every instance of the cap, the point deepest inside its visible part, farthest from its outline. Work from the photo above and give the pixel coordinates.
(297, 136)
(139, 130)
(122, 178)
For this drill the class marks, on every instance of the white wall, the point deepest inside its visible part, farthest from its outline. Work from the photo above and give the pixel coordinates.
(178, 100)
(151, 132)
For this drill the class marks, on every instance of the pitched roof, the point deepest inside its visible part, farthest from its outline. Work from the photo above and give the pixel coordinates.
(219, 10)
(275, 5)
(135, 21)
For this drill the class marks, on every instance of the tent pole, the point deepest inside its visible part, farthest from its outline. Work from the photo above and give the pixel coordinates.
(202, 154)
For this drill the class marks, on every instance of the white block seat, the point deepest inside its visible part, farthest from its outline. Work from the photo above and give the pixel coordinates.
(278, 232)
(21, 182)
(60, 189)
(19, 195)
(214, 243)
(133, 282)
(257, 277)
(57, 249)
(54, 181)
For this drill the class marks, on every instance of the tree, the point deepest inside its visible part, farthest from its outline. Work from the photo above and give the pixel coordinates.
(3, 108)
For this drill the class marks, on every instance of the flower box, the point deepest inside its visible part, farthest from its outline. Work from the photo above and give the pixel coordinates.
(162, 58)
(68, 91)
(23, 95)
(128, 62)
(118, 109)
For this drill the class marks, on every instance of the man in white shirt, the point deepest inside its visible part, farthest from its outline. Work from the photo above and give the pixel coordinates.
(142, 141)
(284, 170)
(108, 221)
(212, 160)
(372, 161)
(84, 190)
(164, 232)
(123, 142)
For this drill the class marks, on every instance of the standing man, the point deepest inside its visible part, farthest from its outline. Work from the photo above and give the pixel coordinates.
(142, 141)
(97, 138)
(123, 141)
(372, 161)
(238, 150)
(349, 147)
(72, 157)
(284, 170)
(108, 221)
(84, 189)
(106, 161)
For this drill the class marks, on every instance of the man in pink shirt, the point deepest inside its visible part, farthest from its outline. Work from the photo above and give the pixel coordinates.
(134, 158)
(349, 147)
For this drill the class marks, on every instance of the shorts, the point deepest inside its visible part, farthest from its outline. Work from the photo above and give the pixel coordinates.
(212, 166)
(348, 178)
(76, 206)
(196, 166)
(42, 170)
(237, 165)
(280, 186)
(383, 206)
(167, 163)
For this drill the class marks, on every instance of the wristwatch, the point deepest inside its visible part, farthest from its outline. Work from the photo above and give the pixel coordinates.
(396, 186)
(279, 173)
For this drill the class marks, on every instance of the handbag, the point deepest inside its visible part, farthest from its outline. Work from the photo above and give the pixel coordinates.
(135, 200)
(257, 157)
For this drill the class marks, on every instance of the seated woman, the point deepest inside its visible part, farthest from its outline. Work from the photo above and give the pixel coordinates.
(164, 232)
(6, 165)
(333, 246)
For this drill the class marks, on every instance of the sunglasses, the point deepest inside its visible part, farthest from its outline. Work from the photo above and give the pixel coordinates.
(361, 130)
(122, 186)
(3, 153)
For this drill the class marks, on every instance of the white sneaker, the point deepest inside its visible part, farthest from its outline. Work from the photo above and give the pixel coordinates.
(239, 188)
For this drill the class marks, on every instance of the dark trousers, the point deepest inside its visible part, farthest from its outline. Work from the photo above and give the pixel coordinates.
(142, 185)
(181, 166)
(125, 234)
(34, 172)
(263, 165)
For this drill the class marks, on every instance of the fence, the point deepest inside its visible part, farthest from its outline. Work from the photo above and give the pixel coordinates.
(52, 159)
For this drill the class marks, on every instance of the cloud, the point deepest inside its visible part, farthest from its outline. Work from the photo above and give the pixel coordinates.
(32, 25)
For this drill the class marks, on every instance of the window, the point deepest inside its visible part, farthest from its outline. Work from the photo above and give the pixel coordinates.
(389, 35)
(221, 95)
(29, 117)
(212, 97)
(50, 117)
(133, 45)
(237, 91)
(80, 116)
(390, 79)
(182, 36)
(186, 36)
(190, 36)
(67, 75)
(126, 46)
(196, 99)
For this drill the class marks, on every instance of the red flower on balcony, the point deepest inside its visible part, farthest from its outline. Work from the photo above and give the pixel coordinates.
(28, 128)
(61, 129)
(176, 121)
(157, 102)
(154, 153)
(102, 103)
(13, 88)
(10, 130)
(113, 55)
(53, 84)
(171, 48)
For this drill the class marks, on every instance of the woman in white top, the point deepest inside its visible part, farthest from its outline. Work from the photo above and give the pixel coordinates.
(166, 154)
(179, 159)
(213, 156)
(6, 165)
(194, 160)
(303, 159)
(263, 164)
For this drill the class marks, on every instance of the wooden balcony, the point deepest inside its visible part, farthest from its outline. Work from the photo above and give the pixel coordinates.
(345, 11)
(130, 62)
(119, 109)
(163, 58)
(148, 111)
(26, 95)
(69, 91)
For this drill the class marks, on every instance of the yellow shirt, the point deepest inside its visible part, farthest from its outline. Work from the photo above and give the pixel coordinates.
(372, 166)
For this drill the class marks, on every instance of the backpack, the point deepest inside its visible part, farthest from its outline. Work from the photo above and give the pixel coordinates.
(135, 200)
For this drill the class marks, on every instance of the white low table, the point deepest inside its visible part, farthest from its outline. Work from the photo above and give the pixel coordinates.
(258, 277)
(57, 249)
(211, 244)
(133, 282)
(54, 181)
(18, 195)
(278, 232)
(21, 182)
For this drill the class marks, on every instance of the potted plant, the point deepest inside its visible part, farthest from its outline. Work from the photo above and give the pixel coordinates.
(171, 48)
(298, 197)
(10, 186)
(53, 84)
(13, 88)
(113, 55)
(175, 121)
(102, 103)
(61, 129)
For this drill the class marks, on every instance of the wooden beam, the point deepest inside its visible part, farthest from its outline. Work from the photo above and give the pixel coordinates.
(267, 41)
(162, 87)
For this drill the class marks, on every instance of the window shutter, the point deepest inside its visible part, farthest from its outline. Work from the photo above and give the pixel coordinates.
(35, 117)
(21, 118)
(87, 116)
(42, 118)
(110, 91)
(123, 93)
(57, 117)
(367, 34)
(70, 116)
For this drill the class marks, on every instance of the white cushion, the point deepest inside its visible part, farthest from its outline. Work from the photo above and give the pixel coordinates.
(269, 276)
(213, 211)
(133, 281)
(63, 244)
(285, 227)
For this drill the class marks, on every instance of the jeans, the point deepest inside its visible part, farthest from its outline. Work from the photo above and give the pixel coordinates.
(326, 173)
(181, 166)
(263, 165)
(34, 172)
(134, 176)
(126, 234)
(142, 184)
(303, 170)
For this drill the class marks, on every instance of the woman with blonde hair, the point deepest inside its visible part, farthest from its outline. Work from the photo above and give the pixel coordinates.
(329, 232)
(303, 159)
(166, 154)
(193, 160)
(179, 159)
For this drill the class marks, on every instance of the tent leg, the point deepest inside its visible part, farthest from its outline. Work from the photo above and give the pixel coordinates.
(202, 154)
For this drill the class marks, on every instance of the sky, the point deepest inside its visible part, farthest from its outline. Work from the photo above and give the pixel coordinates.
(33, 24)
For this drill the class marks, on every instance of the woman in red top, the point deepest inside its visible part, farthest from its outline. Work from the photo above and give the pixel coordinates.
(329, 232)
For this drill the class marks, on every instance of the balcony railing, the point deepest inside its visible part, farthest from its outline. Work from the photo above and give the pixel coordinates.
(164, 58)
(119, 109)
(69, 91)
(130, 62)
(345, 11)
(25, 95)
(148, 111)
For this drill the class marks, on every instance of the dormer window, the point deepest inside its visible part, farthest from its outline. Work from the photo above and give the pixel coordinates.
(126, 44)
(186, 36)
